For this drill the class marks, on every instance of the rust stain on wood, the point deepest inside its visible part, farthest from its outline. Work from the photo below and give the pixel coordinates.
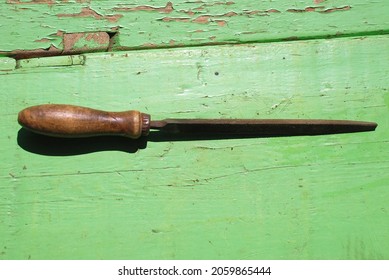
(88, 12)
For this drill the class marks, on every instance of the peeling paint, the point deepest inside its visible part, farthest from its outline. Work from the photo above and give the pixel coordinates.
(256, 12)
(204, 5)
(169, 19)
(60, 61)
(88, 12)
(150, 45)
(272, 11)
(320, 9)
(189, 12)
(218, 19)
(167, 9)
(230, 14)
(41, 52)
(50, 2)
(202, 19)
(345, 8)
(221, 22)
(72, 43)
(218, 3)
(85, 42)
(307, 9)
(147, 22)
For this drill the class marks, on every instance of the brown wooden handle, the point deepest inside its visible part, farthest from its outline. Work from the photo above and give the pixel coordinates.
(75, 121)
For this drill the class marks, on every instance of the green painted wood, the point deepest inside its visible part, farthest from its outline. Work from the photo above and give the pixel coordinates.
(142, 24)
(69, 60)
(7, 64)
(273, 198)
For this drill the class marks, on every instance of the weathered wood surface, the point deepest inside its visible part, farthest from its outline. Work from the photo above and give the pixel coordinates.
(271, 198)
(79, 25)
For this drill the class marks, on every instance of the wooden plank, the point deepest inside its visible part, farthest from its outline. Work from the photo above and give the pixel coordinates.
(140, 24)
(63, 60)
(271, 198)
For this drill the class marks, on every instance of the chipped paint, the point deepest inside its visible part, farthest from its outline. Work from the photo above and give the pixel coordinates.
(72, 43)
(147, 23)
(320, 9)
(43, 40)
(169, 19)
(50, 2)
(256, 12)
(218, 19)
(70, 60)
(85, 42)
(168, 8)
(203, 19)
(345, 8)
(89, 12)
(307, 9)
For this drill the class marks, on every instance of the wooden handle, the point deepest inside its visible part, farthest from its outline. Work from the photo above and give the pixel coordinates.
(74, 121)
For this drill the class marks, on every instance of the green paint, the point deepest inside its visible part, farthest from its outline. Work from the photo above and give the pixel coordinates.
(7, 64)
(190, 22)
(55, 61)
(278, 198)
